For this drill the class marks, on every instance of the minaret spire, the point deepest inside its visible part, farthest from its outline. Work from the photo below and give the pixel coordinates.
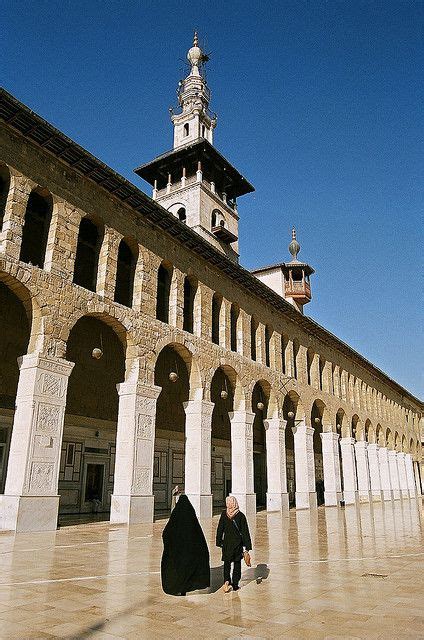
(294, 246)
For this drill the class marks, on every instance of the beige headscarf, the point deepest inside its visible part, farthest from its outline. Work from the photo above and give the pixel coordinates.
(232, 506)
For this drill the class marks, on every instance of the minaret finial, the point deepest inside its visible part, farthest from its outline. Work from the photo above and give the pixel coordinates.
(195, 40)
(195, 56)
(294, 246)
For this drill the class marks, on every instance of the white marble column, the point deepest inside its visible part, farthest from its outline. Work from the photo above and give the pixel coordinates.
(350, 487)
(386, 486)
(132, 499)
(362, 471)
(242, 461)
(331, 464)
(277, 498)
(394, 475)
(30, 501)
(410, 475)
(306, 496)
(198, 456)
(403, 481)
(374, 467)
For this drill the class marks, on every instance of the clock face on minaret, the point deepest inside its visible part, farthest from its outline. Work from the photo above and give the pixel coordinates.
(194, 181)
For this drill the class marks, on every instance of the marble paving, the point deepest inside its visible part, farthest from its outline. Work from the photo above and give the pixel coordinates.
(354, 572)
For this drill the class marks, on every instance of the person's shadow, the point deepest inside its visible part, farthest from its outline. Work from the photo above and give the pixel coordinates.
(258, 573)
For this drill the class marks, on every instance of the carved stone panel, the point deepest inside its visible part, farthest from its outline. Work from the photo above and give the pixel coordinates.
(41, 479)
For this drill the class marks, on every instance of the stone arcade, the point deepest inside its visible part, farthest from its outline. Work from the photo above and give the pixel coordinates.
(136, 354)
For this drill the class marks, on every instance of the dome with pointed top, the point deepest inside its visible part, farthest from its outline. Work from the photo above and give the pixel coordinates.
(294, 246)
(195, 54)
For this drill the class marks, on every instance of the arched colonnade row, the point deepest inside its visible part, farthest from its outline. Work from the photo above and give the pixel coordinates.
(225, 408)
(38, 228)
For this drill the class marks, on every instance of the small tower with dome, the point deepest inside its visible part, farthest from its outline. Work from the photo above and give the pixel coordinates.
(291, 280)
(193, 180)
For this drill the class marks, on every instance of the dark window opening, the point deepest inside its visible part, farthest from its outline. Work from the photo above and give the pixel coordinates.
(182, 216)
(125, 275)
(309, 361)
(188, 312)
(267, 345)
(203, 130)
(321, 373)
(186, 129)
(4, 192)
(36, 229)
(283, 353)
(214, 219)
(234, 313)
(297, 275)
(295, 354)
(216, 309)
(87, 258)
(162, 297)
(253, 330)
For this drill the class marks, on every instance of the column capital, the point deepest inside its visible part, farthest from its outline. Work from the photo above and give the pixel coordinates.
(329, 435)
(303, 427)
(204, 407)
(275, 423)
(47, 363)
(242, 416)
(400, 454)
(373, 446)
(361, 444)
(347, 441)
(136, 387)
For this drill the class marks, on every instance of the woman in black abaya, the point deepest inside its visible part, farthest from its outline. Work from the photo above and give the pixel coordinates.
(185, 559)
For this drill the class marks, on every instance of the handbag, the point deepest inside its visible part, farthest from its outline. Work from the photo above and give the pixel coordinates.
(246, 554)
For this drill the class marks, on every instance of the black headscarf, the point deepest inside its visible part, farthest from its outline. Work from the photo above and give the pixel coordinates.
(185, 559)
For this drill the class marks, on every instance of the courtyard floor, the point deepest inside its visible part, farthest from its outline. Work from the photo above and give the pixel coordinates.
(332, 573)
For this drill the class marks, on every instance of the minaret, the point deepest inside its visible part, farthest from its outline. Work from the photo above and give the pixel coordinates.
(193, 180)
(195, 121)
(289, 279)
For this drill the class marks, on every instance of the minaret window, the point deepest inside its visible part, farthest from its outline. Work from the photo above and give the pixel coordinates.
(182, 215)
(216, 310)
(309, 361)
(36, 228)
(214, 220)
(163, 291)
(203, 130)
(296, 347)
(186, 129)
(87, 258)
(127, 259)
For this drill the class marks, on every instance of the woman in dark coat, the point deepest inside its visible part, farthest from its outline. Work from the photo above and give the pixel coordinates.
(185, 559)
(234, 538)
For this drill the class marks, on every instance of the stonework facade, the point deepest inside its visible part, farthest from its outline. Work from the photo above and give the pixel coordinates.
(136, 355)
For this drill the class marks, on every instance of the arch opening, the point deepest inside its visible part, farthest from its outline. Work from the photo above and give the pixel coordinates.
(90, 237)
(36, 227)
(125, 272)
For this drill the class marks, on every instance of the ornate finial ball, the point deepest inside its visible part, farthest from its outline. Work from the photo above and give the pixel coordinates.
(294, 246)
(260, 406)
(317, 420)
(290, 414)
(224, 394)
(195, 54)
(173, 376)
(96, 353)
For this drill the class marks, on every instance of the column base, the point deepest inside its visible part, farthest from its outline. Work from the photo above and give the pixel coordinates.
(396, 494)
(306, 500)
(332, 498)
(131, 509)
(364, 496)
(247, 503)
(405, 493)
(202, 504)
(350, 497)
(376, 496)
(277, 502)
(29, 513)
(387, 494)
(412, 493)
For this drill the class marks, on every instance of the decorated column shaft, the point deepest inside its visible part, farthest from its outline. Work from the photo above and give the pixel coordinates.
(362, 471)
(331, 464)
(242, 460)
(198, 456)
(30, 501)
(386, 486)
(132, 500)
(394, 474)
(403, 481)
(410, 475)
(277, 498)
(374, 467)
(350, 486)
(306, 496)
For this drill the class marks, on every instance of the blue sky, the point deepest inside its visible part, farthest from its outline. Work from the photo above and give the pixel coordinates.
(319, 105)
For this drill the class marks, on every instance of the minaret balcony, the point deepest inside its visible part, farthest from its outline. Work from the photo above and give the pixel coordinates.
(222, 233)
(298, 290)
